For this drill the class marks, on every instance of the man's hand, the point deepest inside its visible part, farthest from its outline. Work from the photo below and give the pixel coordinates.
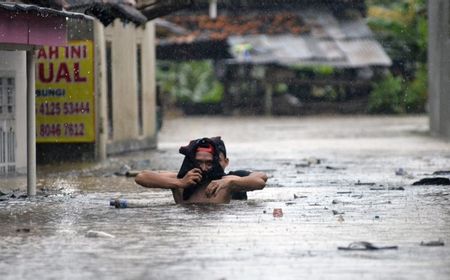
(216, 186)
(191, 178)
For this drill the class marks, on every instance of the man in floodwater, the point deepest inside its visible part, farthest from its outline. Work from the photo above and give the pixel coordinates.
(201, 178)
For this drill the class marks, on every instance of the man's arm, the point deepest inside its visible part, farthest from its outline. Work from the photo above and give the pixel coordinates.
(254, 181)
(168, 180)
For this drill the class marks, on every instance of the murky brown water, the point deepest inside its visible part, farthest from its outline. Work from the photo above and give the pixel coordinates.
(243, 240)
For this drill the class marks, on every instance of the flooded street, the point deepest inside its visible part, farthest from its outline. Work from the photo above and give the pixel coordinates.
(333, 177)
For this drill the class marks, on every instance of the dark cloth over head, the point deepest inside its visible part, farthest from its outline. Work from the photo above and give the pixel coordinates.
(189, 151)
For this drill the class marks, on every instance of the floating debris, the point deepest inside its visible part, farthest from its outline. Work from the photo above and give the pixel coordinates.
(359, 183)
(344, 192)
(434, 243)
(377, 189)
(132, 173)
(277, 212)
(299, 196)
(25, 230)
(129, 203)
(396, 188)
(340, 219)
(400, 172)
(442, 172)
(365, 246)
(123, 170)
(313, 160)
(98, 234)
(433, 181)
(337, 201)
(335, 212)
(334, 168)
(13, 195)
(382, 202)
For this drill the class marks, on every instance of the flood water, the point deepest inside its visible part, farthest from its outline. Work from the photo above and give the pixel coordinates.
(333, 177)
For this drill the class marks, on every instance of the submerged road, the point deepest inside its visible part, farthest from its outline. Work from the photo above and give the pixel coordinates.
(336, 179)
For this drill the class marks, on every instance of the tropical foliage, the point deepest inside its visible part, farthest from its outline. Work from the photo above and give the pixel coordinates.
(401, 27)
(192, 81)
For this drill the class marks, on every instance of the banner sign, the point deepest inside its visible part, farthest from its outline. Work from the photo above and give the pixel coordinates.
(65, 93)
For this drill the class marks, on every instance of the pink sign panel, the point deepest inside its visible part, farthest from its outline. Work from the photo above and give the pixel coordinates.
(13, 28)
(32, 29)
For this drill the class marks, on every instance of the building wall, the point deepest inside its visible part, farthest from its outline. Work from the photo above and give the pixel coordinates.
(439, 66)
(124, 39)
(14, 63)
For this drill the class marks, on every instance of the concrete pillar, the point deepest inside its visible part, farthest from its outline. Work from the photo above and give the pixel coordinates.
(439, 67)
(100, 90)
(31, 124)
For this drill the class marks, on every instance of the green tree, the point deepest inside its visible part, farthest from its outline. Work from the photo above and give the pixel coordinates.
(190, 81)
(401, 26)
(386, 96)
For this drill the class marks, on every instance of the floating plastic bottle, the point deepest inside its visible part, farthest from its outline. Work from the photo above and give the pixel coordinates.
(95, 234)
(129, 203)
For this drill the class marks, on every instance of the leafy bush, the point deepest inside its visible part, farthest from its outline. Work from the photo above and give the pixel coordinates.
(415, 95)
(394, 95)
(190, 81)
(386, 96)
(401, 26)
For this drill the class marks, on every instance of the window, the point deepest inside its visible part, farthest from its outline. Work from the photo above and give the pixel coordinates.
(10, 95)
(7, 125)
(139, 90)
(7, 96)
(1, 96)
(109, 89)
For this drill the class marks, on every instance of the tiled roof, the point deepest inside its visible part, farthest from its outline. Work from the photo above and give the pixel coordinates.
(202, 27)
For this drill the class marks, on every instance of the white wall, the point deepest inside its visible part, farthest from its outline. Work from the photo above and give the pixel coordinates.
(124, 38)
(14, 62)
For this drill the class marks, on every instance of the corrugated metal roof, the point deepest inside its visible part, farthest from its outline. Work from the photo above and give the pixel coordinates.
(107, 10)
(158, 8)
(331, 41)
(171, 27)
(290, 50)
(364, 52)
(41, 10)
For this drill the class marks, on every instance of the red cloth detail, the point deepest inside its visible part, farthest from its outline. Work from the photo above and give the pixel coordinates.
(209, 149)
